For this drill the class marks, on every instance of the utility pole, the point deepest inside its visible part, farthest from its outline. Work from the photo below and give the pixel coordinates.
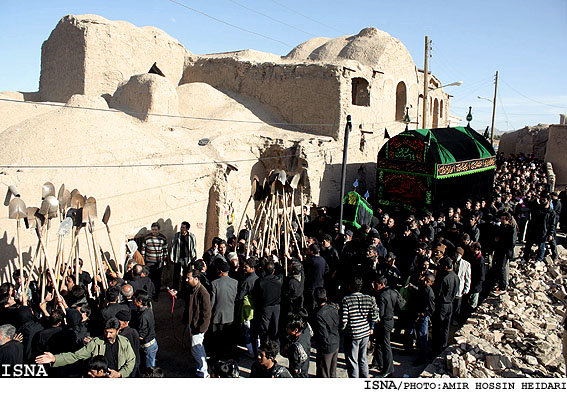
(348, 128)
(494, 108)
(425, 83)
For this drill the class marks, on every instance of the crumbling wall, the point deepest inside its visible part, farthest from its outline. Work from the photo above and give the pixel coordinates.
(305, 95)
(88, 54)
(556, 152)
(530, 139)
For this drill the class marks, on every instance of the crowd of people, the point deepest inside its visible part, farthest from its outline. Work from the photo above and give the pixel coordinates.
(411, 275)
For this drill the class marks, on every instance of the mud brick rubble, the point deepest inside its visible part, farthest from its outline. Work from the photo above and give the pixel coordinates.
(517, 334)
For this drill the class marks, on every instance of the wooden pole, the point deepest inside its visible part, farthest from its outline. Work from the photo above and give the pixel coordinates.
(21, 262)
(494, 108)
(119, 264)
(425, 84)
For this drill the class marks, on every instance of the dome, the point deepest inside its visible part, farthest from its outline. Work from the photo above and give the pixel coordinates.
(371, 47)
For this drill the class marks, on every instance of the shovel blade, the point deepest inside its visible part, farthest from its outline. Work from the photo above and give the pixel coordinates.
(61, 195)
(49, 207)
(17, 209)
(66, 199)
(65, 227)
(282, 177)
(90, 208)
(295, 181)
(77, 200)
(47, 190)
(106, 215)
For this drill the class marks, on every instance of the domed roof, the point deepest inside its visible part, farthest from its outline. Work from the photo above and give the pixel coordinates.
(370, 47)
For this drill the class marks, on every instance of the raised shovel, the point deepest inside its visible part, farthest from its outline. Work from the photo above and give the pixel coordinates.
(49, 209)
(17, 210)
(32, 221)
(90, 212)
(105, 219)
(61, 199)
(255, 182)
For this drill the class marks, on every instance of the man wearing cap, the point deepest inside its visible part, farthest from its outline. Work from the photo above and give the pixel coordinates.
(132, 335)
(183, 252)
(223, 296)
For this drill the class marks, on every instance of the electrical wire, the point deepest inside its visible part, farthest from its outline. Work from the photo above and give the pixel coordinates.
(230, 24)
(531, 99)
(308, 17)
(271, 18)
(60, 105)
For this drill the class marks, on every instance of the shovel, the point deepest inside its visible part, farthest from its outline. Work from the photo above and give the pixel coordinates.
(259, 195)
(255, 182)
(105, 219)
(17, 210)
(90, 212)
(49, 209)
(32, 221)
(64, 229)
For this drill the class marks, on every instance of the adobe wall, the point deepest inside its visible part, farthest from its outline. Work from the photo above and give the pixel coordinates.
(556, 152)
(304, 94)
(530, 139)
(88, 54)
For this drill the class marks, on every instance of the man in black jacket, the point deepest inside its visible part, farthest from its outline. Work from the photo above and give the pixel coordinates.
(244, 303)
(140, 281)
(446, 286)
(267, 298)
(132, 335)
(326, 328)
(478, 275)
(387, 300)
(504, 243)
(28, 327)
(146, 328)
(315, 269)
(541, 228)
(424, 310)
(11, 351)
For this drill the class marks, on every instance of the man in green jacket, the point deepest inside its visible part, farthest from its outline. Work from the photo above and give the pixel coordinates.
(115, 348)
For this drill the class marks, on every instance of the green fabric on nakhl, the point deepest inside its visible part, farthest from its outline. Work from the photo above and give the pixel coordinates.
(444, 154)
(465, 173)
(482, 152)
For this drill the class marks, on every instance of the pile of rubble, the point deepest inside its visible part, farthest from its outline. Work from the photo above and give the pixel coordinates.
(517, 334)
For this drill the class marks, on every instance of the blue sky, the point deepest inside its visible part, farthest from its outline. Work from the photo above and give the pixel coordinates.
(526, 41)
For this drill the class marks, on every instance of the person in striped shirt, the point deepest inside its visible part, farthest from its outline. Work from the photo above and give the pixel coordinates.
(359, 313)
(154, 251)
